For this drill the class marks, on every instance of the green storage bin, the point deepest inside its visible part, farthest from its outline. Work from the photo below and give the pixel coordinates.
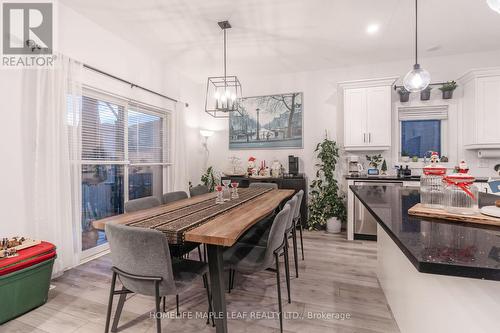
(24, 290)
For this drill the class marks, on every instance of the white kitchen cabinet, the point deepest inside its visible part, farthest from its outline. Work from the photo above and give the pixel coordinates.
(367, 114)
(481, 109)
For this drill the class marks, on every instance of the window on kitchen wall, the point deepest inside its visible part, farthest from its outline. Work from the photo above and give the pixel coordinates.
(422, 129)
(124, 156)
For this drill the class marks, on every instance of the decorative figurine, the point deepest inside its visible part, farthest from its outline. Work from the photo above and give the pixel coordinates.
(252, 164)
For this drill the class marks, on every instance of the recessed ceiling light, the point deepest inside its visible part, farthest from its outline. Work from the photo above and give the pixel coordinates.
(372, 28)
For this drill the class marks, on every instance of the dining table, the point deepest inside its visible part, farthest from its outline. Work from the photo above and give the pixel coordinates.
(202, 220)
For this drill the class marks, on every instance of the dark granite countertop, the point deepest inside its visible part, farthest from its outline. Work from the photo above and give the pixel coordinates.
(434, 246)
(393, 178)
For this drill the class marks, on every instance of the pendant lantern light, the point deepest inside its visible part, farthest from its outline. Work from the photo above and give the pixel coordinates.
(223, 92)
(418, 78)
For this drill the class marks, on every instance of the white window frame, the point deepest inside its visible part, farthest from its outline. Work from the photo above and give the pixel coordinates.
(166, 114)
(427, 112)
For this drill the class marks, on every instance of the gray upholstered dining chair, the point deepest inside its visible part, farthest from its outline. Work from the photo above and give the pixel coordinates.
(264, 185)
(141, 203)
(142, 262)
(198, 190)
(249, 258)
(298, 221)
(173, 196)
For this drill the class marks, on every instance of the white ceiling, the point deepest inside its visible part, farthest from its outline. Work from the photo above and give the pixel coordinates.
(278, 36)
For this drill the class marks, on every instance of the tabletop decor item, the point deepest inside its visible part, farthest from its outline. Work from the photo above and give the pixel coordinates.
(219, 199)
(273, 121)
(374, 162)
(383, 168)
(252, 166)
(460, 193)
(276, 169)
(235, 167)
(431, 183)
(234, 190)
(226, 193)
(327, 203)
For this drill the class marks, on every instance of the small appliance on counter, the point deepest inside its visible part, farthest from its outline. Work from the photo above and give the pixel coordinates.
(293, 165)
(354, 168)
(404, 172)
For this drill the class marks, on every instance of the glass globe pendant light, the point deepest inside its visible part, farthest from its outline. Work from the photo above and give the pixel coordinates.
(418, 78)
(494, 5)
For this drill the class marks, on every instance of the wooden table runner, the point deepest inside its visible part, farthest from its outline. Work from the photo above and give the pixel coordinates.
(174, 224)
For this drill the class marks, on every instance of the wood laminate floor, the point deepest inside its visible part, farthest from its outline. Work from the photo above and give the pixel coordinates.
(337, 278)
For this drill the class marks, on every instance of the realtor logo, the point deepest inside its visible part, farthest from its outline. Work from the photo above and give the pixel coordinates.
(27, 36)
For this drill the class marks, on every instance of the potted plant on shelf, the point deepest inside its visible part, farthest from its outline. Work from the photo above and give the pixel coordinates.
(404, 95)
(209, 179)
(414, 159)
(448, 89)
(326, 206)
(425, 94)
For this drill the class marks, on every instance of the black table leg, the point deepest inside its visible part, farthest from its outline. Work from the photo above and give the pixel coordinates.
(216, 267)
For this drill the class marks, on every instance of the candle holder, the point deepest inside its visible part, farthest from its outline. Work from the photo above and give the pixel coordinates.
(234, 193)
(219, 199)
(226, 193)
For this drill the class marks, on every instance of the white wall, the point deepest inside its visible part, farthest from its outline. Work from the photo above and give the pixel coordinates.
(321, 111)
(85, 41)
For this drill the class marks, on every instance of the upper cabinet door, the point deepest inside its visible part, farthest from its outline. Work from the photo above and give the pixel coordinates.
(355, 117)
(488, 110)
(379, 116)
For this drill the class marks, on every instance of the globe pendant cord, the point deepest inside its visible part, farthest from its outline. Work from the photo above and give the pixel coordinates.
(418, 78)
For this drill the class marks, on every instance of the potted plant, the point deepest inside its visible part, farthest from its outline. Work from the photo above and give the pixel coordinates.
(383, 168)
(404, 95)
(414, 159)
(405, 157)
(326, 206)
(209, 179)
(425, 94)
(448, 89)
(443, 159)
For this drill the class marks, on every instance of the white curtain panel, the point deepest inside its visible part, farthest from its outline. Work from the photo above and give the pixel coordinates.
(180, 180)
(52, 99)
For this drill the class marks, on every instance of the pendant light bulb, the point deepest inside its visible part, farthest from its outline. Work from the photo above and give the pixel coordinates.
(494, 5)
(417, 79)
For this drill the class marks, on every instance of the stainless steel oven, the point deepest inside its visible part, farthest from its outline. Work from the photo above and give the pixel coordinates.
(365, 225)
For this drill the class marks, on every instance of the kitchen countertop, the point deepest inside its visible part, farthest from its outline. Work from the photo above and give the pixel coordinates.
(393, 178)
(434, 246)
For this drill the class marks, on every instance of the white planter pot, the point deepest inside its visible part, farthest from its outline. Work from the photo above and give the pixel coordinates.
(333, 225)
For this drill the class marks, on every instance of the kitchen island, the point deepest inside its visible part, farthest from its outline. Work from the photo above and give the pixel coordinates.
(437, 276)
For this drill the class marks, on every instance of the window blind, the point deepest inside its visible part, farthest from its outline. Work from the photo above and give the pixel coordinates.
(147, 137)
(103, 129)
(423, 113)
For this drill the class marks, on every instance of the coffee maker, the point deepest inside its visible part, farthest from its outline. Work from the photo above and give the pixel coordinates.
(354, 168)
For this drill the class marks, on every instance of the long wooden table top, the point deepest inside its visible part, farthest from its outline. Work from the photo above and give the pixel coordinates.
(224, 229)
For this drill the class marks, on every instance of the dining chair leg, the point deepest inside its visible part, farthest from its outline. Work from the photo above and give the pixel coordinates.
(157, 301)
(301, 240)
(229, 280)
(205, 253)
(287, 272)
(279, 292)
(177, 304)
(118, 312)
(295, 256)
(110, 302)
